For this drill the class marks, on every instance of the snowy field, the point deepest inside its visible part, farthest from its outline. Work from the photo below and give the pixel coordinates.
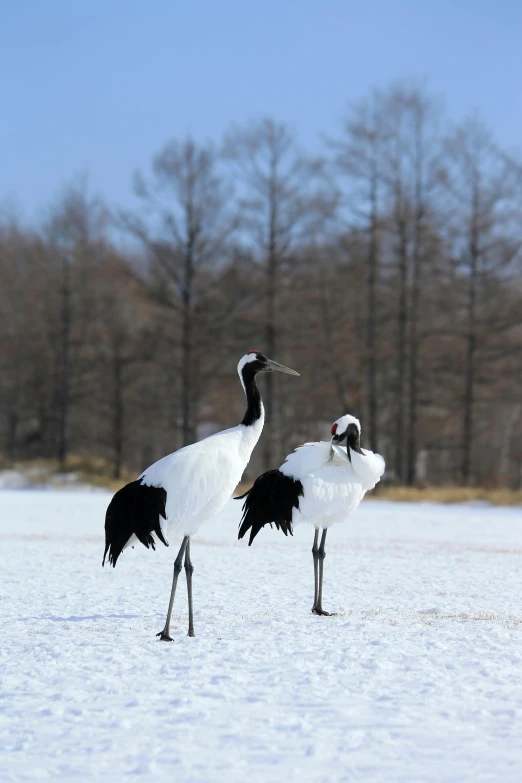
(418, 678)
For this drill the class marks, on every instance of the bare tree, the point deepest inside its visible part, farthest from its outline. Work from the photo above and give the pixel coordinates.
(126, 350)
(186, 200)
(407, 304)
(411, 118)
(358, 155)
(280, 205)
(481, 185)
(74, 234)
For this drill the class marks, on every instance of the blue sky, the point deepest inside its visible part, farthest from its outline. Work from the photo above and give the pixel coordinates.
(98, 86)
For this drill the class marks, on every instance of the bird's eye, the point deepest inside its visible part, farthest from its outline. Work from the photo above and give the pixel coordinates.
(334, 429)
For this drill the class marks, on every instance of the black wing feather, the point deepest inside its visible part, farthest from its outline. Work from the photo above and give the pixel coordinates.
(271, 499)
(134, 509)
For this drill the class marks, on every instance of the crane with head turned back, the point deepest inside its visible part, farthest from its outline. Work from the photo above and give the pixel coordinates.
(187, 488)
(319, 483)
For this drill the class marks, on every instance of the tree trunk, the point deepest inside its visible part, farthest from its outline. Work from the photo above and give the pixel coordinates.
(330, 348)
(186, 343)
(402, 320)
(470, 361)
(65, 335)
(411, 456)
(118, 413)
(371, 330)
(270, 336)
(507, 441)
(13, 416)
(12, 430)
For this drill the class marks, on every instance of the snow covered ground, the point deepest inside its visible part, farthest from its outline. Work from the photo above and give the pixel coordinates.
(418, 678)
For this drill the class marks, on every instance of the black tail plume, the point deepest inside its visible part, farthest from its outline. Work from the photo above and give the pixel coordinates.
(134, 509)
(272, 499)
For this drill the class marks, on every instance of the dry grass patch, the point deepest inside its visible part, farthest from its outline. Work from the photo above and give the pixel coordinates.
(497, 497)
(98, 472)
(79, 469)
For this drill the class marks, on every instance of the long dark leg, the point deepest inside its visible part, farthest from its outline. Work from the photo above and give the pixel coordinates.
(178, 563)
(315, 549)
(320, 557)
(189, 570)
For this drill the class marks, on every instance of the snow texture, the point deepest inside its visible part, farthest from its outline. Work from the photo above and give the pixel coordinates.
(418, 678)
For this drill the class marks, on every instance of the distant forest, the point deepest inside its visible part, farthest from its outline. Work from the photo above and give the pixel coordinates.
(388, 272)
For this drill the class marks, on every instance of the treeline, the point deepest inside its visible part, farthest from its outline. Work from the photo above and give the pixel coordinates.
(388, 272)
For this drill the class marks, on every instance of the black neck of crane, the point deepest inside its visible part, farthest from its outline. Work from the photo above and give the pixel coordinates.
(353, 439)
(253, 395)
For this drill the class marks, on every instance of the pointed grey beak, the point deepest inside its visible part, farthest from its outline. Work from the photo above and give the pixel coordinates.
(281, 368)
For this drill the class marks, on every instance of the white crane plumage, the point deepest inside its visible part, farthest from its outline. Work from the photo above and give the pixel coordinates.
(189, 487)
(319, 483)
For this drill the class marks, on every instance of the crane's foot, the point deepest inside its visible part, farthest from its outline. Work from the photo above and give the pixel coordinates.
(319, 611)
(164, 637)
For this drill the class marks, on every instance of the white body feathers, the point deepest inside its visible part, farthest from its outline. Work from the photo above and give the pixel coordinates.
(200, 479)
(333, 486)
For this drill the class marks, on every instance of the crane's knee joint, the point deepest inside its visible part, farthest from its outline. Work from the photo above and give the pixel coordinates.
(189, 568)
(321, 554)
